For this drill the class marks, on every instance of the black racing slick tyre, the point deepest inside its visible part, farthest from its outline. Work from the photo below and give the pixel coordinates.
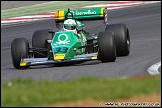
(122, 38)
(107, 49)
(19, 49)
(39, 41)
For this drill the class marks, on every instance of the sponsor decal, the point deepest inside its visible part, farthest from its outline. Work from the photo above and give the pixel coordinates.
(89, 12)
(40, 62)
(81, 58)
(64, 41)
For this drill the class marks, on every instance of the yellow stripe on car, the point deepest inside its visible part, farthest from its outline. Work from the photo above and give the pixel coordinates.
(61, 15)
(23, 63)
(59, 56)
(94, 57)
(102, 11)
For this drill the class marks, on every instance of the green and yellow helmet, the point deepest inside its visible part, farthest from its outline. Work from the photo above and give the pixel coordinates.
(69, 25)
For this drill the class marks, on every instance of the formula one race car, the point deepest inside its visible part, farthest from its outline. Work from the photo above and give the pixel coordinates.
(72, 43)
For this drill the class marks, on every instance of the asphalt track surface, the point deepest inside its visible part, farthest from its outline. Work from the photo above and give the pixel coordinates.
(144, 23)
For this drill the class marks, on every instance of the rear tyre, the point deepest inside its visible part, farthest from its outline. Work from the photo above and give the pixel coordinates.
(19, 49)
(107, 49)
(39, 41)
(122, 38)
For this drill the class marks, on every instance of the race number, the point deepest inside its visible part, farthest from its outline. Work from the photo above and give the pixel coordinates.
(61, 50)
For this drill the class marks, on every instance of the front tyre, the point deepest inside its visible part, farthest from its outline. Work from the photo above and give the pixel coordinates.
(39, 41)
(19, 49)
(107, 49)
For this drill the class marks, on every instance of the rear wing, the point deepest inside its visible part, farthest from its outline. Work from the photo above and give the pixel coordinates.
(82, 14)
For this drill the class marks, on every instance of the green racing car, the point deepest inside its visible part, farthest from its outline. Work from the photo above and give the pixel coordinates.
(72, 43)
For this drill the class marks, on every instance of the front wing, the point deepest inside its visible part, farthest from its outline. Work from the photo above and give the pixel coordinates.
(46, 61)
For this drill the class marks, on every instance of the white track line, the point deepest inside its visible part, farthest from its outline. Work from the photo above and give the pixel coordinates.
(153, 70)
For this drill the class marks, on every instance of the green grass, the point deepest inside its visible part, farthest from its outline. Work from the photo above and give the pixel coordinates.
(46, 7)
(41, 93)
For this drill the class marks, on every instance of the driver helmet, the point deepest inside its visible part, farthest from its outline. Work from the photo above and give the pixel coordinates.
(69, 25)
